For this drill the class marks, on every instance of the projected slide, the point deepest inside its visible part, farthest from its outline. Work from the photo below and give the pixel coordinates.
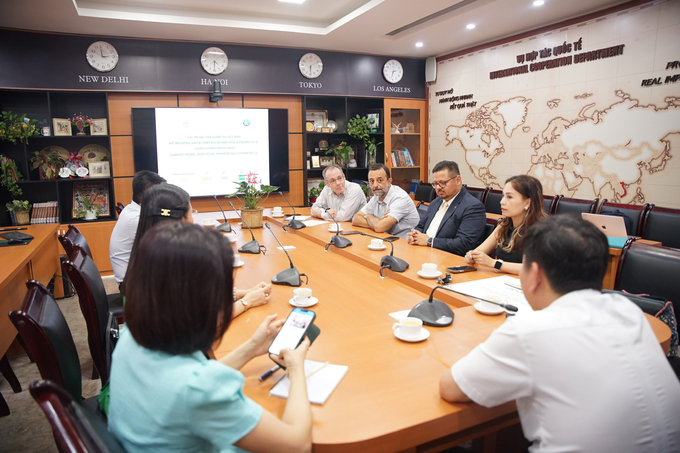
(208, 151)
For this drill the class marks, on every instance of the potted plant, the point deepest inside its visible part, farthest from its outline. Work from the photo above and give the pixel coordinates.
(48, 161)
(81, 122)
(341, 152)
(17, 127)
(89, 210)
(252, 194)
(359, 127)
(314, 192)
(19, 209)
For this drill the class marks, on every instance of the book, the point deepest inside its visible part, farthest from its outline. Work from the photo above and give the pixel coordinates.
(320, 385)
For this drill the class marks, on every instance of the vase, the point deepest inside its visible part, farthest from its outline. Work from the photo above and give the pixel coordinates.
(371, 159)
(22, 217)
(91, 215)
(253, 217)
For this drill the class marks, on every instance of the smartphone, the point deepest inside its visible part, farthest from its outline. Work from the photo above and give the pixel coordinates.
(391, 238)
(293, 331)
(461, 269)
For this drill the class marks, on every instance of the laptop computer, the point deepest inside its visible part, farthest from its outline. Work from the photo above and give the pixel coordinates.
(612, 226)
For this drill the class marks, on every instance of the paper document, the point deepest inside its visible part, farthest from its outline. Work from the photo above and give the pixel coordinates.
(311, 223)
(398, 315)
(286, 247)
(299, 217)
(506, 287)
(320, 385)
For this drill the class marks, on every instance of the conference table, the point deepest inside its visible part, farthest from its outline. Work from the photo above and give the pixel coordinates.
(389, 399)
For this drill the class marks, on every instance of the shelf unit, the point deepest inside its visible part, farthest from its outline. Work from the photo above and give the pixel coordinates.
(402, 113)
(43, 106)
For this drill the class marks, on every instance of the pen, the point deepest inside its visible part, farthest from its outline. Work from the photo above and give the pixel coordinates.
(319, 368)
(268, 373)
(12, 229)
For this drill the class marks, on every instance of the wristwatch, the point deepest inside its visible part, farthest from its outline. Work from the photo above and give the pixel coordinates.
(429, 242)
(498, 265)
(246, 305)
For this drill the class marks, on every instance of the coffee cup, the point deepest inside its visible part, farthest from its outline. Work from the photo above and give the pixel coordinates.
(277, 210)
(302, 296)
(209, 223)
(409, 327)
(376, 243)
(334, 227)
(429, 269)
(237, 259)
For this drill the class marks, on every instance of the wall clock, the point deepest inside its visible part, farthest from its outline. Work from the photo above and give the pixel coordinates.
(393, 71)
(311, 65)
(214, 60)
(102, 56)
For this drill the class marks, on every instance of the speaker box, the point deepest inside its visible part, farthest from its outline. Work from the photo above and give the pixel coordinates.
(430, 70)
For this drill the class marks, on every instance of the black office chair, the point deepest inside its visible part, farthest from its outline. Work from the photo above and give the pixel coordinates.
(48, 339)
(493, 201)
(636, 214)
(663, 225)
(478, 193)
(488, 228)
(424, 195)
(549, 203)
(73, 237)
(75, 428)
(574, 205)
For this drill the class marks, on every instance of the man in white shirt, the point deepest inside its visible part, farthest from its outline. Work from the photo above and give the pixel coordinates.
(340, 199)
(390, 209)
(123, 235)
(585, 368)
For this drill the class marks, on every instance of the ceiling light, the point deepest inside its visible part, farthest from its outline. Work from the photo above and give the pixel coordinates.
(419, 44)
(470, 26)
(292, 1)
(536, 3)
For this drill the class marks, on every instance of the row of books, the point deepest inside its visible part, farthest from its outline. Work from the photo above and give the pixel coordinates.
(402, 158)
(47, 212)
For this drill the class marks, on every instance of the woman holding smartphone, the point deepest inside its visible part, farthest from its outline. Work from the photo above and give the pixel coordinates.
(521, 206)
(166, 396)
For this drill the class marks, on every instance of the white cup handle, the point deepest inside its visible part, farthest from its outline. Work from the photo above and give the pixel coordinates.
(394, 327)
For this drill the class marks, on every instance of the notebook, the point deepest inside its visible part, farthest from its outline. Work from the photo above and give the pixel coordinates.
(612, 226)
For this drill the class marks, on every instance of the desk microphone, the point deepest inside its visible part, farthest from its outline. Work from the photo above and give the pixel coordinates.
(389, 261)
(225, 227)
(337, 240)
(508, 307)
(292, 223)
(434, 312)
(252, 246)
(290, 276)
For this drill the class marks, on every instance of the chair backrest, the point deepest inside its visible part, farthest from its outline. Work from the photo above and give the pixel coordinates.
(549, 203)
(493, 201)
(44, 331)
(663, 225)
(649, 269)
(74, 237)
(574, 205)
(488, 228)
(636, 214)
(94, 305)
(424, 193)
(75, 428)
(478, 193)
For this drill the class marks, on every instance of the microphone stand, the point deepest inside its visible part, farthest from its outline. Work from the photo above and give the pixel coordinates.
(433, 312)
(389, 261)
(292, 223)
(225, 227)
(253, 246)
(337, 240)
(290, 276)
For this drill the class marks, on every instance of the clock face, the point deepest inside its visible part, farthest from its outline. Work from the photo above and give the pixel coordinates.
(311, 65)
(102, 56)
(214, 60)
(393, 71)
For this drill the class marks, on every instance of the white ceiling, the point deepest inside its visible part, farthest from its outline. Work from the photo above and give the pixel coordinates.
(362, 26)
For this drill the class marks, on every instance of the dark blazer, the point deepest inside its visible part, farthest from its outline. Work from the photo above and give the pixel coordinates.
(462, 227)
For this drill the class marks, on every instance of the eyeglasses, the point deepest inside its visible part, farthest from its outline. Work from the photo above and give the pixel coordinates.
(339, 179)
(439, 184)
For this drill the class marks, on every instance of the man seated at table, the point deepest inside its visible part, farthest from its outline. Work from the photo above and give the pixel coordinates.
(455, 220)
(342, 198)
(390, 209)
(585, 368)
(123, 235)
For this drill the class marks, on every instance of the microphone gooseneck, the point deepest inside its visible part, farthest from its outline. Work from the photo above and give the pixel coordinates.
(390, 261)
(337, 240)
(292, 223)
(253, 246)
(225, 227)
(290, 276)
(508, 307)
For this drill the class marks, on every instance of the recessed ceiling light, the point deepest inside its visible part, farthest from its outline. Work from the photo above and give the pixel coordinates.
(419, 44)
(292, 1)
(470, 26)
(536, 3)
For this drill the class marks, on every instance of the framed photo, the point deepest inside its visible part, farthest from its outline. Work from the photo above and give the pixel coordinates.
(315, 162)
(62, 126)
(374, 117)
(319, 118)
(325, 161)
(99, 127)
(96, 192)
(99, 169)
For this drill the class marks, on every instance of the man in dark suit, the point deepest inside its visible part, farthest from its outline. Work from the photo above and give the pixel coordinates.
(455, 220)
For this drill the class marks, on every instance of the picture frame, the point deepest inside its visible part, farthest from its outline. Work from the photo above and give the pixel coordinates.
(62, 126)
(315, 162)
(374, 119)
(99, 169)
(318, 117)
(99, 127)
(325, 161)
(97, 192)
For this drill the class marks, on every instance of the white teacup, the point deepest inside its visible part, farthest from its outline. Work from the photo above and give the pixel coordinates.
(376, 243)
(277, 210)
(237, 259)
(409, 327)
(209, 223)
(429, 269)
(334, 226)
(488, 306)
(302, 296)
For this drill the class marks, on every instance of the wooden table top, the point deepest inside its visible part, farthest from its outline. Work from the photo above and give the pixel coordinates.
(13, 258)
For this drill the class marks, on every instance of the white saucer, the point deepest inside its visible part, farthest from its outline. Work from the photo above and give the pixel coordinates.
(231, 236)
(278, 216)
(239, 264)
(334, 231)
(295, 304)
(424, 335)
(488, 309)
(430, 276)
(383, 247)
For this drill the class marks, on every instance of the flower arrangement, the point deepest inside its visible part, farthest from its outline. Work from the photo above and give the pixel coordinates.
(17, 127)
(80, 117)
(251, 191)
(360, 127)
(341, 151)
(88, 206)
(314, 192)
